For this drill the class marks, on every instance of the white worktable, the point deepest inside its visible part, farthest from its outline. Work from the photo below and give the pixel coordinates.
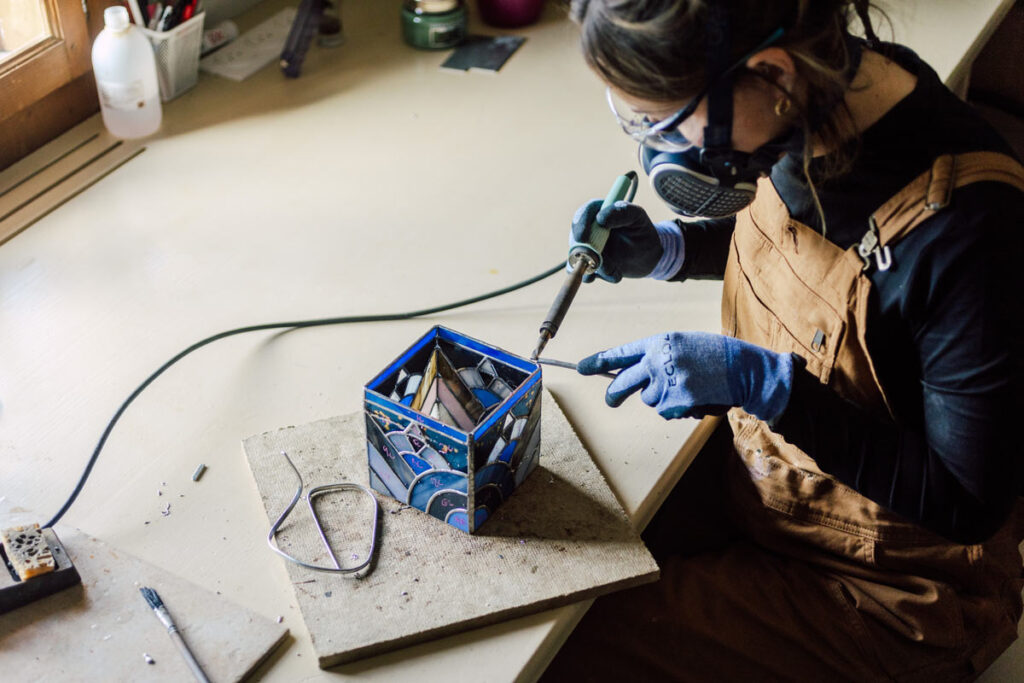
(376, 182)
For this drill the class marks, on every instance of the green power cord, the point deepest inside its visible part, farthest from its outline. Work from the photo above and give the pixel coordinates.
(384, 317)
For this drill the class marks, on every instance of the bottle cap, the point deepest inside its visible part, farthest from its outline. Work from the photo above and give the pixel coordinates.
(116, 18)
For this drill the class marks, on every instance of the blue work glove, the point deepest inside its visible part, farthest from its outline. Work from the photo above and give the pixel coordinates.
(636, 247)
(693, 374)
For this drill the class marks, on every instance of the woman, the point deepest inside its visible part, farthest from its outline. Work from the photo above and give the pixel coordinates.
(864, 521)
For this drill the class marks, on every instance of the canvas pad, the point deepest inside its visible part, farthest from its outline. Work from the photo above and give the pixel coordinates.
(561, 538)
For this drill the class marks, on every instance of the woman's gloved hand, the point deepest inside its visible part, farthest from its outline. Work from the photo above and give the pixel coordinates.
(693, 374)
(636, 247)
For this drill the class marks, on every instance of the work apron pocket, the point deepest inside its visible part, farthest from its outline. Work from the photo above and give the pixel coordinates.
(770, 306)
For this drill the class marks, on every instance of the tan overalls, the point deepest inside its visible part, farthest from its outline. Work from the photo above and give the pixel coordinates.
(827, 585)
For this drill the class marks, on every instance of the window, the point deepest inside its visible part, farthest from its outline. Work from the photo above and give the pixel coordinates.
(45, 71)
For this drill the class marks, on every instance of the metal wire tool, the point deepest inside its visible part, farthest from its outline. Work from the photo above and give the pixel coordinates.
(313, 493)
(584, 258)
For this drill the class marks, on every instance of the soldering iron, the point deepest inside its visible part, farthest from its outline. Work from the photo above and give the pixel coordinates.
(584, 258)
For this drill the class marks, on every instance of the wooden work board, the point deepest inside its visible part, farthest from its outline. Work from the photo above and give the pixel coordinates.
(560, 538)
(101, 629)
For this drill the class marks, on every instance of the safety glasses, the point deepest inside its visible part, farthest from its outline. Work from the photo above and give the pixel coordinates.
(664, 134)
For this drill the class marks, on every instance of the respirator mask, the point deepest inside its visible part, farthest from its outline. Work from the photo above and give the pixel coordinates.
(713, 181)
(707, 182)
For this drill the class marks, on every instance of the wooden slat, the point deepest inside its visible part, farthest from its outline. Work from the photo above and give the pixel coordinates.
(41, 178)
(57, 172)
(46, 155)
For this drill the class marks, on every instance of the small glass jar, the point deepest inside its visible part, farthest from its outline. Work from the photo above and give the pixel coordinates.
(433, 24)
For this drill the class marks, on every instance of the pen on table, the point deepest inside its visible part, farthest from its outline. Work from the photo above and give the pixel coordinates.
(154, 601)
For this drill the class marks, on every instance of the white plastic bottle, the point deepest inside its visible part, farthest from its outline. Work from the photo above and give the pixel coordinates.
(125, 70)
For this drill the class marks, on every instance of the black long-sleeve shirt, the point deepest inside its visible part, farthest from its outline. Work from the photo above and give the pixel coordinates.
(945, 323)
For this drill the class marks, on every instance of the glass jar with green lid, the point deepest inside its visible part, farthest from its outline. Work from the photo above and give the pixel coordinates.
(433, 24)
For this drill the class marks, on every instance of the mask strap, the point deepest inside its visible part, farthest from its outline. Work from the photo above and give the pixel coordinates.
(718, 132)
(862, 7)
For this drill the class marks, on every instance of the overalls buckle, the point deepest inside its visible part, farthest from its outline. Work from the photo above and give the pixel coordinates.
(869, 246)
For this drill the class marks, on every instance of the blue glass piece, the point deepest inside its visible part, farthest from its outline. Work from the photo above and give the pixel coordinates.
(489, 496)
(471, 377)
(444, 503)
(400, 440)
(492, 455)
(486, 397)
(524, 406)
(492, 474)
(434, 458)
(528, 430)
(418, 466)
(408, 400)
(457, 458)
(459, 519)
(507, 451)
(377, 485)
(376, 438)
(484, 445)
(499, 475)
(486, 370)
(528, 461)
(393, 486)
(500, 387)
(430, 483)
(480, 516)
(411, 385)
(522, 409)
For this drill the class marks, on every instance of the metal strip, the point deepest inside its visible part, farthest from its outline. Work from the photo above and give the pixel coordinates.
(314, 492)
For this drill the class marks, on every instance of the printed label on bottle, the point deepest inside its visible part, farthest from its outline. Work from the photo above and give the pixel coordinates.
(116, 95)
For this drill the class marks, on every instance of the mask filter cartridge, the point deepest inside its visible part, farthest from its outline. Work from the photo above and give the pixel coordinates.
(691, 193)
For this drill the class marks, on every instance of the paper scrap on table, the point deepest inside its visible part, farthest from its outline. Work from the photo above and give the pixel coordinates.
(485, 53)
(252, 50)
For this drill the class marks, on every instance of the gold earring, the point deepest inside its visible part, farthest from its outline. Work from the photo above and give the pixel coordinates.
(782, 106)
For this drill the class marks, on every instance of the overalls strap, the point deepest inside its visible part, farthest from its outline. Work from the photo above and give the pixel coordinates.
(932, 190)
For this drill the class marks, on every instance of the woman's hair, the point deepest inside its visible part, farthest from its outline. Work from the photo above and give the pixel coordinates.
(656, 50)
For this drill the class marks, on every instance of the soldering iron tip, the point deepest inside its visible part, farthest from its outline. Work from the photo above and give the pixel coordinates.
(541, 343)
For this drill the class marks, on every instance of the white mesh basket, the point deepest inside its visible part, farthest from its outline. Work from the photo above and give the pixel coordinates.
(177, 56)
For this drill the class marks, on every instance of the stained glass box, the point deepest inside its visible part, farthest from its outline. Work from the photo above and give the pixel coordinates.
(453, 427)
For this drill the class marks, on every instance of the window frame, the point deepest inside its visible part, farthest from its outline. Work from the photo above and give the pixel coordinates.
(48, 86)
